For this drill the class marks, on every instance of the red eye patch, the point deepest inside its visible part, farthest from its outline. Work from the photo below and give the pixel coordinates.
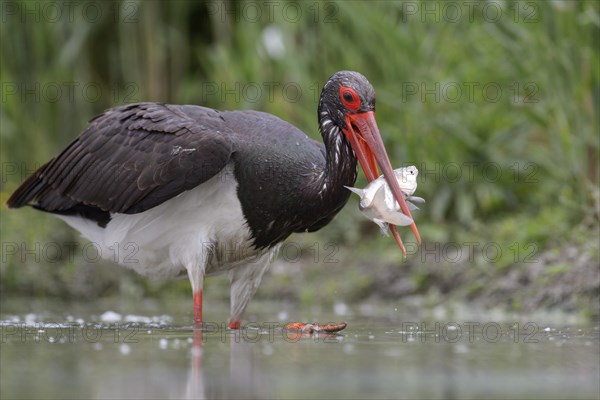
(349, 98)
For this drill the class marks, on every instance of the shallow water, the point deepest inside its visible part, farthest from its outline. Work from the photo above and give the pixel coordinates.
(108, 351)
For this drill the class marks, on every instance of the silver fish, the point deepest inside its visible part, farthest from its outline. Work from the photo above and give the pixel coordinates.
(377, 200)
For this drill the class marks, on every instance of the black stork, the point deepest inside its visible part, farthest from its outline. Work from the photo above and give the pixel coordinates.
(183, 190)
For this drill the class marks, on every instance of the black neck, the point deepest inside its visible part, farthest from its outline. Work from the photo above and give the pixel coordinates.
(340, 168)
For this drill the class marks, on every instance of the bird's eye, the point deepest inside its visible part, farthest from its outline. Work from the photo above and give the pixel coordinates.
(349, 98)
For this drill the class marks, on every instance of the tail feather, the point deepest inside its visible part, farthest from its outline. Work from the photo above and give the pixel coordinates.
(28, 191)
(36, 192)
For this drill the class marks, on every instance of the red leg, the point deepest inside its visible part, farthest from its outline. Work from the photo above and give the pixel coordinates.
(198, 307)
(235, 324)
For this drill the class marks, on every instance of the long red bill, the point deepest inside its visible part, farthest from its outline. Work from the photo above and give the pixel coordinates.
(370, 151)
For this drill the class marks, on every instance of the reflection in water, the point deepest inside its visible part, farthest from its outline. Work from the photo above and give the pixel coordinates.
(245, 377)
(155, 358)
(244, 380)
(195, 383)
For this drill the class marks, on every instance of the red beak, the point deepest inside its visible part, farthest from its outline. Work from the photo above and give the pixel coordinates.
(370, 151)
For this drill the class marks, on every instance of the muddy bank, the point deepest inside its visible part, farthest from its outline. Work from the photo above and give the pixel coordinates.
(565, 278)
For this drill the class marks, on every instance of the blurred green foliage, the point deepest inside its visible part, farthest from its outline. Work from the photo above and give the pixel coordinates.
(498, 111)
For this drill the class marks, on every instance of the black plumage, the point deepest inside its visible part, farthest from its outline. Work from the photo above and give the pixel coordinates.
(132, 158)
(157, 176)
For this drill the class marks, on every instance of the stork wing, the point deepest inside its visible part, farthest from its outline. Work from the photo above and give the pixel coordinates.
(130, 159)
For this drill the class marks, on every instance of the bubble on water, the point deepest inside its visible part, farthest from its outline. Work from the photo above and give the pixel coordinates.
(98, 346)
(163, 343)
(30, 319)
(162, 319)
(124, 349)
(340, 309)
(13, 318)
(451, 327)
(282, 315)
(138, 318)
(548, 329)
(371, 337)
(110, 316)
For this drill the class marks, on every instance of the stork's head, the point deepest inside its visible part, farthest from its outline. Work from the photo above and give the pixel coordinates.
(348, 99)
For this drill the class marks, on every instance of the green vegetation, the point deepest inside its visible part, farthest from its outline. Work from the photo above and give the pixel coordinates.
(498, 111)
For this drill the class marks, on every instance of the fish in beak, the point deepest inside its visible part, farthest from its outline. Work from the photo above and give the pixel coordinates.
(377, 201)
(363, 134)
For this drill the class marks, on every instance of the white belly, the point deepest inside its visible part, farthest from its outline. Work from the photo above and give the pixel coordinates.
(203, 226)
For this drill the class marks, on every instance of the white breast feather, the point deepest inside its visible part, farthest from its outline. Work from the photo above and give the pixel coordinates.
(184, 230)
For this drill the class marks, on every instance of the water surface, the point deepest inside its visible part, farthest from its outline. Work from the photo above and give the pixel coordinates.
(107, 351)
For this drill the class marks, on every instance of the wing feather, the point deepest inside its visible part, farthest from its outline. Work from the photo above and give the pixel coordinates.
(130, 159)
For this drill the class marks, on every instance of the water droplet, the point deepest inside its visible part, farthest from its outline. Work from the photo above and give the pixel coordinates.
(340, 309)
(110, 316)
(124, 349)
(282, 315)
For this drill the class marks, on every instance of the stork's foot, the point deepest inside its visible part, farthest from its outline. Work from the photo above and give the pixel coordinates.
(312, 328)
